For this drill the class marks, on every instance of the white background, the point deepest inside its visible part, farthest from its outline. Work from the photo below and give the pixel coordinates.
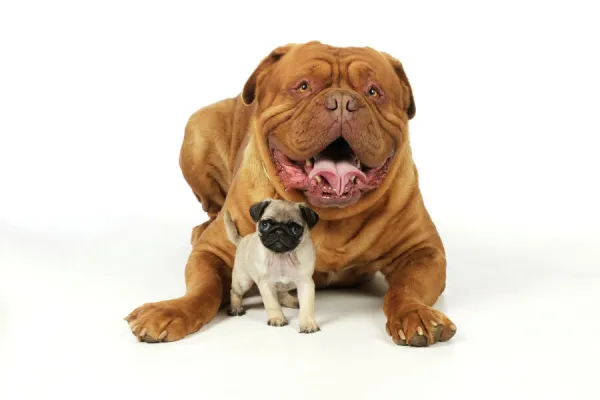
(95, 217)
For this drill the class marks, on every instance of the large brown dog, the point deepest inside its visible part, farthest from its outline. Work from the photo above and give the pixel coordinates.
(329, 126)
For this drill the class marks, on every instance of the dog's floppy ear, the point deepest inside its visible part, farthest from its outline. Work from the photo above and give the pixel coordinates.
(309, 216)
(411, 109)
(249, 92)
(257, 210)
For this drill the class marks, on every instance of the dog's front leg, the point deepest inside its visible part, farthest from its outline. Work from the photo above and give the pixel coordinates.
(415, 283)
(306, 297)
(271, 302)
(208, 281)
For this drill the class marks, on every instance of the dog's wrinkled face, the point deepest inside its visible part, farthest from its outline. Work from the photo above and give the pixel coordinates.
(282, 225)
(333, 118)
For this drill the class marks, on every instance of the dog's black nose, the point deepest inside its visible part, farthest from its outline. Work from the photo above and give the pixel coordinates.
(279, 232)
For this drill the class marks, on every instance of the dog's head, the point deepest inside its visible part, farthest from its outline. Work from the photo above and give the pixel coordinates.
(330, 122)
(282, 225)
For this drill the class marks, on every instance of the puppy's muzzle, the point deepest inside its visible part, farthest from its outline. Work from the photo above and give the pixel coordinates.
(279, 239)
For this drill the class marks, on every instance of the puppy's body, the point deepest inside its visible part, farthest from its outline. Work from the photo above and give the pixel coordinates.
(276, 270)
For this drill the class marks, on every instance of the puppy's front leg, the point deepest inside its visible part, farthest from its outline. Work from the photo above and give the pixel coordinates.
(271, 302)
(306, 297)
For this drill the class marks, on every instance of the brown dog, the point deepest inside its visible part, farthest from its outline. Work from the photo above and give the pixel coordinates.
(329, 126)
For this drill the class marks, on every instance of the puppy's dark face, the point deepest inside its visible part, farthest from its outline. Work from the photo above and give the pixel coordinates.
(280, 236)
(282, 225)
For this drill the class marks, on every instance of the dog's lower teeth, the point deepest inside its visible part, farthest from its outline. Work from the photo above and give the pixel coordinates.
(353, 179)
(318, 179)
(309, 163)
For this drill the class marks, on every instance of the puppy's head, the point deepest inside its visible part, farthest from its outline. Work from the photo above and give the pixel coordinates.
(282, 225)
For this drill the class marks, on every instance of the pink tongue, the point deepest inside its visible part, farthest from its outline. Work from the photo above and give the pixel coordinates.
(337, 173)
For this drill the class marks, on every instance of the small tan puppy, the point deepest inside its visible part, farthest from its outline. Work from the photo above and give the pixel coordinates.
(278, 257)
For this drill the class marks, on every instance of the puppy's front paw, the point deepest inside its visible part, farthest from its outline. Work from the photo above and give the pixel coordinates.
(235, 311)
(277, 321)
(309, 326)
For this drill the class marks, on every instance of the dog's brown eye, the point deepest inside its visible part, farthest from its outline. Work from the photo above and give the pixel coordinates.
(264, 225)
(373, 92)
(297, 230)
(303, 87)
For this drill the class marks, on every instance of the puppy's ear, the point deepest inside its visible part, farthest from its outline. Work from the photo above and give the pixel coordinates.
(309, 216)
(250, 88)
(411, 108)
(257, 210)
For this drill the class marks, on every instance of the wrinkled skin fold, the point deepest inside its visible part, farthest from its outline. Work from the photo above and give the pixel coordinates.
(327, 126)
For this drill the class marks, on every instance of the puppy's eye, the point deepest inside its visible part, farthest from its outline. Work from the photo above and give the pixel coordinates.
(297, 230)
(373, 92)
(303, 87)
(264, 225)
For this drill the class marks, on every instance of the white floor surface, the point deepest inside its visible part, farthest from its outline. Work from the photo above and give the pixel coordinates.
(526, 327)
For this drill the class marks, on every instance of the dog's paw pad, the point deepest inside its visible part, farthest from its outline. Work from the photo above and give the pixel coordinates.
(401, 337)
(418, 339)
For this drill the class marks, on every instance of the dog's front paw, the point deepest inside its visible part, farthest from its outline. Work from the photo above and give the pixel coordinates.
(164, 321)
(419, 326)
(235, 311)
(277, 321)
(309, 326)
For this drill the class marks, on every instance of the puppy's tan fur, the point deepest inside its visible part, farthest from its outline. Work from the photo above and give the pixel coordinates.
(275, 274)
(226, 161)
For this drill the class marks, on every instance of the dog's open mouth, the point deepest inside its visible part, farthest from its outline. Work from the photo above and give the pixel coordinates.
(334, 177)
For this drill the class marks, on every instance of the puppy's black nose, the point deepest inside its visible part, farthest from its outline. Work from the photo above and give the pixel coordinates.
(279, 232)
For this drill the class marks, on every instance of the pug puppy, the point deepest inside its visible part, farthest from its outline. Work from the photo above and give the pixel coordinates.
(278, 257)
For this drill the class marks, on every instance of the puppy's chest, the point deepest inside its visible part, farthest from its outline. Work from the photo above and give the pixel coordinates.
(282, 270)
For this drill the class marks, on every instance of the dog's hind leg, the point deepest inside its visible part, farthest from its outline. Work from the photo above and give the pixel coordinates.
(286, 299)
(240, 284)
(205, 157)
